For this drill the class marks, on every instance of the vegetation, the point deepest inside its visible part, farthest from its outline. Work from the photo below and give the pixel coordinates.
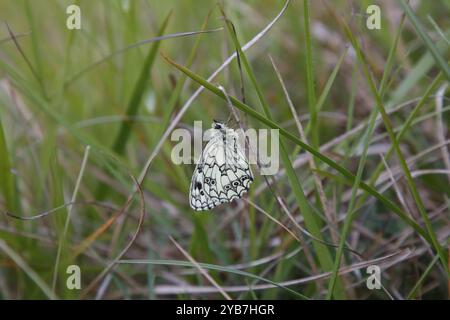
(87, 179)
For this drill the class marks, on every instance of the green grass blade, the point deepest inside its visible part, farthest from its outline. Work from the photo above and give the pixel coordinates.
(412, 116)
(422, 278)
(27, 269)
(62, 240)
(438, 29)
(310, 87)
(174, 98)
(390, 59)
(440, 61)
(326, 90)
(350, 213)
(7, 180)
(138, 92)
(35, 46)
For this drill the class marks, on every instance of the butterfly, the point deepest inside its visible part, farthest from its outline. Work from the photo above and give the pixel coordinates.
(222, 173)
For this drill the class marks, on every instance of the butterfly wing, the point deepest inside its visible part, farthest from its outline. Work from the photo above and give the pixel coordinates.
(222, 174)
(199, 194)
(236, 175)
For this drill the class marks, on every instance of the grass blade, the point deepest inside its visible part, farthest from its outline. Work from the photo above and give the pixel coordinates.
(138, 92)
(6, 177)
(27, 269)
(422, 278)
(440, 61)
(62, 239)
(312, 124)
(350, 212)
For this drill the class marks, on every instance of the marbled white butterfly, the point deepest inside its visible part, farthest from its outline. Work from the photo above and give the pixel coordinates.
(222, 173)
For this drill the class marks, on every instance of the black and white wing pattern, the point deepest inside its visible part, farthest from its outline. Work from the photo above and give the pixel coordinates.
(222, 173)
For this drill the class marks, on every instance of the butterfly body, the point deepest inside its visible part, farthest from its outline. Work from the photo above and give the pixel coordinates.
(222, 173)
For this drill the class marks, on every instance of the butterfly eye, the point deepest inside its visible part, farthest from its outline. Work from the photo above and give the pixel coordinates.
(243, 178)
(207, 180)
(235, 183)
(213, 182)
(227, 187)
(202, 193)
